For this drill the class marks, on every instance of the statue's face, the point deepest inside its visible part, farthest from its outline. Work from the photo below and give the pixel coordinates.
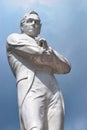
(31, 25)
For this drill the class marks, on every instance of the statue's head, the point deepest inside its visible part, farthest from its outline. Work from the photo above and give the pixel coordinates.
(31, 24)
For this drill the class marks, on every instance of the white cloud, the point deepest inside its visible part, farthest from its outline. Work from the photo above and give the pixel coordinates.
(79, 124)
(29, 3)
(10, 127)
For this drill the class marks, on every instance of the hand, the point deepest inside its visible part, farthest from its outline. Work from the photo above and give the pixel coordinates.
(43, 43)
(50, 50)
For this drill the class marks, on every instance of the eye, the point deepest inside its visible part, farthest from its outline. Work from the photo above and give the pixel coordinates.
(29, 21)
(37, 22)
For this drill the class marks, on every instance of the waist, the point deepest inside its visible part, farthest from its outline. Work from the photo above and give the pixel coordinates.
(44, 70)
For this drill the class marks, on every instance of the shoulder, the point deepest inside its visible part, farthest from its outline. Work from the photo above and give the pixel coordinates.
(12, 38)
(16, 38)
(13, 35)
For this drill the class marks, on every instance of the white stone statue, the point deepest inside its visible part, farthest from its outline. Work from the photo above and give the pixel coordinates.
(34, 63)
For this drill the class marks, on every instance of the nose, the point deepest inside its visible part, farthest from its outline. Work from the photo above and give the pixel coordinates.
(33, 22)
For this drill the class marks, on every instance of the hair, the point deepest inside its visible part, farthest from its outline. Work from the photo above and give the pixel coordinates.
(25, 16)
(33, 12)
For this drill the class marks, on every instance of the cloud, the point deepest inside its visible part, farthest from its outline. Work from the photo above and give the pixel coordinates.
(29, 3)
(79, 124)
(10, 127)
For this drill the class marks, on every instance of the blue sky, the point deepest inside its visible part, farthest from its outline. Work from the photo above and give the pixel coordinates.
(64, 25)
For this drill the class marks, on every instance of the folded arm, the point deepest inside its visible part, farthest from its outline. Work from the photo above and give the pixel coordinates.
(38, 55)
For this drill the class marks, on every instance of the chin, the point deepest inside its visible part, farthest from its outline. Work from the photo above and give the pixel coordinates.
(33, 34)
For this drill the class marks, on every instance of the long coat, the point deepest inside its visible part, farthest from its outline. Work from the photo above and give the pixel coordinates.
(25, 57)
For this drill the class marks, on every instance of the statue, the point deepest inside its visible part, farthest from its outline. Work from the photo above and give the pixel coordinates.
(34, 63)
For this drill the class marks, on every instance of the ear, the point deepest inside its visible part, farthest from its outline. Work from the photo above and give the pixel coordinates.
(21, 27)
(40, 26)
(39, 30)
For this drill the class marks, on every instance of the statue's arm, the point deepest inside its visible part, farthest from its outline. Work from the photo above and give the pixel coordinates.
(38, 55)
(22, 45)
(61, 64)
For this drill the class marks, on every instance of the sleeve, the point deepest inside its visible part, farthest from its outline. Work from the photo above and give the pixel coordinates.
(54, 60)
(61, 64)
(16, 43)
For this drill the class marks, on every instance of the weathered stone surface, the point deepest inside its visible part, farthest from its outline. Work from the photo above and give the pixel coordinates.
(34, 63)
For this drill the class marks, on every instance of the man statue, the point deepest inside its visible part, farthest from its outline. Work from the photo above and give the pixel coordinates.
(34, 63)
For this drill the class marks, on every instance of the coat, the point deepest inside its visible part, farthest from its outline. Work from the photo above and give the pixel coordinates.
(26, 57)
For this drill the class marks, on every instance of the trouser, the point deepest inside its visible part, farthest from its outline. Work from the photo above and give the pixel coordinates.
(43, 108)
